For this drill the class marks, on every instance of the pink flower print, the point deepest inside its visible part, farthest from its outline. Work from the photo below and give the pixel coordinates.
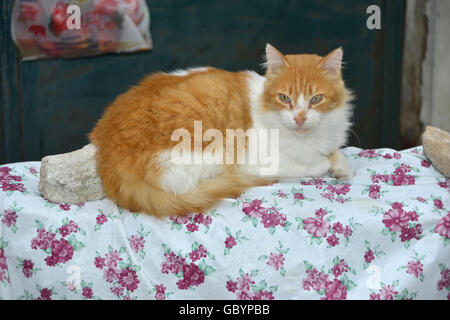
(405, 168)
(32, 170)
(198, 218)
(253, 209)
(376, 178)
(387, 156)
(137, 243)
(444, 184)
(207, 220)
(395, 219)
(72, 226)
(160, 296)
(243, 295)
(368, 256)
(281, 194)
(71, 285)
(397, 205)
(411, 233)
(202, 251)
(27, 268)
(62, 251)
(65, 206)
(180, 219)
(99, 262)
(263, 295)
(160, 288)
(46, 294)
(118, 291)
(414, 268)
(375, 296)
(340, 268)
(191, 227)
(43, 240)
(173, 263)
(101, 219)
(368, 154)
(87, 293)
(192, 276)
(64, 231)
(413, 216)
(348, 232)
(112, 258)
(276, 260)
(444, 282)
(316, 227)
(230, 242)
(443, 227)
(388, 292)
(374, 191)
(425, 164)
(397, 155)
(438, 203)
(320, 213)
(335, 290)
(421, 199)
(316, 280)
(342, 189)
(333, 240)
(299, 196)
(338, 228)
(128, 279)
(9, 217)
(194, 255)
(3, 265)
(160, 292)
(231, 286)
(3, 275)
(269, 220)
(244, 282)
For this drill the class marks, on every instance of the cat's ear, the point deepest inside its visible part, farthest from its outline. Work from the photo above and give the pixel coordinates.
(332, 63)
(275, 61)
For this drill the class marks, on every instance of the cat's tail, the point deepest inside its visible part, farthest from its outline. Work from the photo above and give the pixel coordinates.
(207, 193)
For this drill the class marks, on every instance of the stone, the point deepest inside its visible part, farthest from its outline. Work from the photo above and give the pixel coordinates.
(71, 177)
(436, 146)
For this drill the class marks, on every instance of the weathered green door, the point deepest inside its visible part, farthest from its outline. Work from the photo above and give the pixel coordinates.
(50, 106)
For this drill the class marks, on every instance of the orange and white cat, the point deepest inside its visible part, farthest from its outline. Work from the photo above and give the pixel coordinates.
(303, 97)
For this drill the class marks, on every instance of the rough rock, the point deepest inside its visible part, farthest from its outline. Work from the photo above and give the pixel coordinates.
(71, 177)
(436, 146)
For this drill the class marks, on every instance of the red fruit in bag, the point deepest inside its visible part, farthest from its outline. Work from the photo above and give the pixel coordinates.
(58, 22)
(39, 31)
(28, 12)
(106, 7)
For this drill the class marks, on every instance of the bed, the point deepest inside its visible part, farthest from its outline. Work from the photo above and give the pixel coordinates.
(383, 235)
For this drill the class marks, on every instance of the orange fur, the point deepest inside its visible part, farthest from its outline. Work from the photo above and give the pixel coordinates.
(138, 125)
(304, 76)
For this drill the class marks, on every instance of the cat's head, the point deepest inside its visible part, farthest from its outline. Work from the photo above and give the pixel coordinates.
(301, 90)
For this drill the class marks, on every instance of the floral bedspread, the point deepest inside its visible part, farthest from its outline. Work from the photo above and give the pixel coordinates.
(384, 235)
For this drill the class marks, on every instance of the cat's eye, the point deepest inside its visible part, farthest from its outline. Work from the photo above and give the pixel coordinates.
(316, 99)
(284, 98)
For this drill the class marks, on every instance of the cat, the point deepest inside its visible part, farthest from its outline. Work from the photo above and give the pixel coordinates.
(302, 96)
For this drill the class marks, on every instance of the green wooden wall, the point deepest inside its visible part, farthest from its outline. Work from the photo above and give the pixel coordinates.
(49, 106)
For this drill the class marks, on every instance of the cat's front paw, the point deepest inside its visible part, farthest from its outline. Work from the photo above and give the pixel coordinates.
(321, 168)
(339, 167)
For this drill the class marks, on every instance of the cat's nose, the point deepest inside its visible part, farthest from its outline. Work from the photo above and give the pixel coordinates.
(300, 118)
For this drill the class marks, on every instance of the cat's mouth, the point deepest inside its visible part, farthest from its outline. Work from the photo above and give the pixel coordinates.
(301, 130)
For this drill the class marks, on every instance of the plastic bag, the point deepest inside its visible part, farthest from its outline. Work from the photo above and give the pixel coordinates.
(74, 28)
